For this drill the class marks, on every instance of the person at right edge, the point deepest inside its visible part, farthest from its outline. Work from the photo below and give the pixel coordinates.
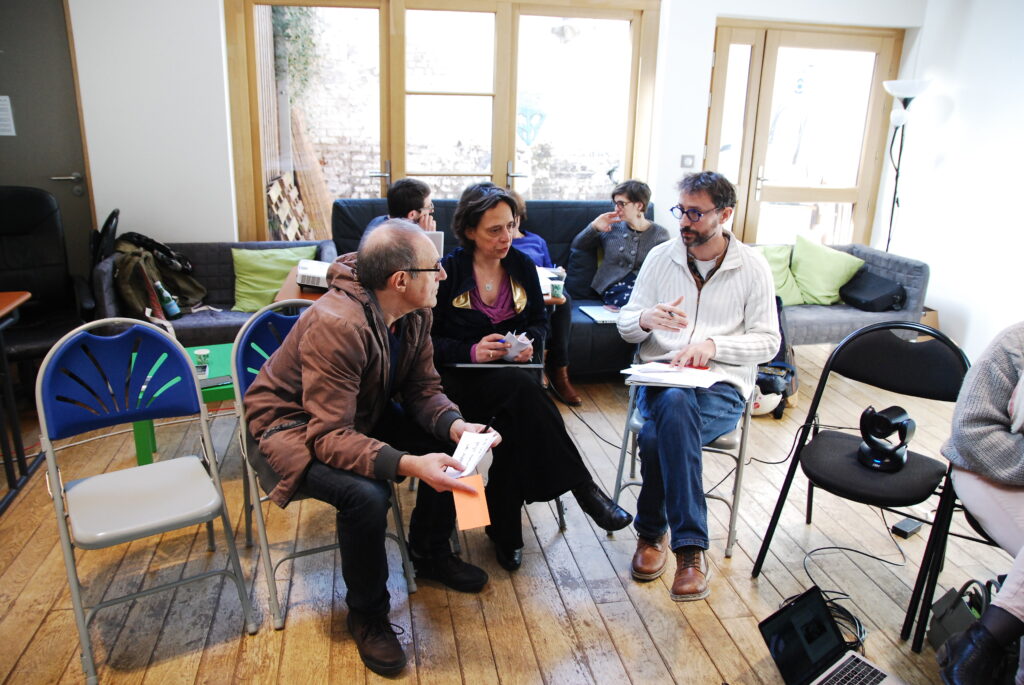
(986, 449)
(703, 299)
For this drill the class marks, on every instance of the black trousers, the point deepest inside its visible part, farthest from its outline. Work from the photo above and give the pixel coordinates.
(362, 517)
(536, 460)
(560, 319)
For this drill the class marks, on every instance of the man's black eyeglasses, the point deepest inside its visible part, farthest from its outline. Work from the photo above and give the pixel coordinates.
(694, 215)
(435, 268)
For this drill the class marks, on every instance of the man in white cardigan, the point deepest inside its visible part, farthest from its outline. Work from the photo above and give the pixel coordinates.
(702, 299)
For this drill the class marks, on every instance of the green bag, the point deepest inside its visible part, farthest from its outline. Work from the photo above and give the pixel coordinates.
(134, 275)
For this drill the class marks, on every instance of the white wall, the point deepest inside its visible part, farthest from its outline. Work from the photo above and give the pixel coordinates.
(153, 85)
(962, 166)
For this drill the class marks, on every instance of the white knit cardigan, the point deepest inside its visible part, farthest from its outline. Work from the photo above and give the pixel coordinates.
(735, 309)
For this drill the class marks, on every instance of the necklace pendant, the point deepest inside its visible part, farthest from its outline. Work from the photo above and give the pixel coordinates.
(488, 287)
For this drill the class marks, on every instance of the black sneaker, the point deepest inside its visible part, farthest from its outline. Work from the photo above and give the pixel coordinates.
(449, 570)
(377, 641)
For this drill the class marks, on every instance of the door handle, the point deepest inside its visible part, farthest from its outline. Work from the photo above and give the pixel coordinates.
(75, 177)
(759, 183)
(509, 174)
(386, 174)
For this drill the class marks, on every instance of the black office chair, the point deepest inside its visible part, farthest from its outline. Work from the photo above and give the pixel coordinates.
(33, 258)
(933, 369)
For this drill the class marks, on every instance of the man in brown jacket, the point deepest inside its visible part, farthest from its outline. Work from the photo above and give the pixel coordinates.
(325, 410)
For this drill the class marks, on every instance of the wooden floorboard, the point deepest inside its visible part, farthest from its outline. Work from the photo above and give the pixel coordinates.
(571, 614)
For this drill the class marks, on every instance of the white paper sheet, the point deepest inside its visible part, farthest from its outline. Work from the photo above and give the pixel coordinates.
(661, 373)
(471, 449)
(519, 343)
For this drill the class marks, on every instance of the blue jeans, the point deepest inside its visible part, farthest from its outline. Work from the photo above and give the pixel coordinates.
(678, 422)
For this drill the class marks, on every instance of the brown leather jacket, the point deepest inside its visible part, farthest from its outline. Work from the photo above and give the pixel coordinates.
(332, 370)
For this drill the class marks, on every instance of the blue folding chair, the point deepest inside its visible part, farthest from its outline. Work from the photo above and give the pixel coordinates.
(261, 335)
(90, 381)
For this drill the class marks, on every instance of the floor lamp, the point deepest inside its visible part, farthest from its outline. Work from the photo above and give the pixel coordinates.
(905, 91)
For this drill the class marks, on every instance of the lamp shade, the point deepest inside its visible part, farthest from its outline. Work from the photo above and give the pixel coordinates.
(905, 88)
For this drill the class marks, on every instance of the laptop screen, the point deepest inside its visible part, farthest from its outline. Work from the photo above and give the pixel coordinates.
(803, 638)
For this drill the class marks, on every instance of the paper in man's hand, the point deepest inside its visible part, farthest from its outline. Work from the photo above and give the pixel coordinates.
(472, 448)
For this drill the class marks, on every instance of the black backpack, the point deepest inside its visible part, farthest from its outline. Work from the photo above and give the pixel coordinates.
(779, 375)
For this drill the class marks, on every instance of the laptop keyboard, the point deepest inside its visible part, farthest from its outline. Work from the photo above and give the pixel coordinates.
(854, 671)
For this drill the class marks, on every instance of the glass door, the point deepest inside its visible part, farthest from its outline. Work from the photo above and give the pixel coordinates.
(798, 126)
(319, 108)
(574, 96)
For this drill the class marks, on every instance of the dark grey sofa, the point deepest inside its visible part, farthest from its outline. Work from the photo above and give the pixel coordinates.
(593, 348)
(213, 267)
(808, 324)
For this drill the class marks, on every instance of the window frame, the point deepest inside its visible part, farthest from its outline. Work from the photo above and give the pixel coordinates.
(241, 68)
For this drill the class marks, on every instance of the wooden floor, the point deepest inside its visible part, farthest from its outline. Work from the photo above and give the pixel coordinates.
(571, 614)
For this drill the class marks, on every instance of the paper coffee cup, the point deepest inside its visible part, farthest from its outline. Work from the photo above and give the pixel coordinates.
(202, 357)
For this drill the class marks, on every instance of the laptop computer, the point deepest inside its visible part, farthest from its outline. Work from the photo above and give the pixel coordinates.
(806, 645)
(438, 239)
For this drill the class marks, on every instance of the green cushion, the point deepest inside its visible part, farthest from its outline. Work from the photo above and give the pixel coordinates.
(821, 271)
(785, 285)
(259, 274)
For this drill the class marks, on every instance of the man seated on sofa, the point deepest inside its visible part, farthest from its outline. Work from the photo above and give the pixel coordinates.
(324, 412)
(733, 330)
(410, 199)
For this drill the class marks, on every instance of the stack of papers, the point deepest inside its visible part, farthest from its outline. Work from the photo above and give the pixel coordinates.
(662, 373)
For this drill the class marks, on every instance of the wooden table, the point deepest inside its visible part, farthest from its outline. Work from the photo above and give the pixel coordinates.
(291, 290)
(13, 451)
(216, 387)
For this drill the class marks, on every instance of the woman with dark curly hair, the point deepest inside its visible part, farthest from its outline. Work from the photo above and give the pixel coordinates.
(491, 290)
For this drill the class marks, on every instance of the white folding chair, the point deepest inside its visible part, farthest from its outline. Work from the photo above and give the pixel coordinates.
(90, 381)
(733, 444)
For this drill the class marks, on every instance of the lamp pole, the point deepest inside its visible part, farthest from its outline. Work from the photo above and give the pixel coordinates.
(902, 130)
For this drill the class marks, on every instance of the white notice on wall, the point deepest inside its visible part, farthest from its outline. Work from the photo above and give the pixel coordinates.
(6, 116)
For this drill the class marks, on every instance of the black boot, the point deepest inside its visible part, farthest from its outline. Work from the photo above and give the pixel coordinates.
(969, 657)
(598, 506)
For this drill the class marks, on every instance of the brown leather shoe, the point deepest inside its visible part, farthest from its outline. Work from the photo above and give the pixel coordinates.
(692, 571)
(649, 558)
(560, 385)
(376, 639)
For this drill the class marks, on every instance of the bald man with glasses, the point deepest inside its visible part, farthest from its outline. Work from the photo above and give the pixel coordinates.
(325, 410)
(702, 299)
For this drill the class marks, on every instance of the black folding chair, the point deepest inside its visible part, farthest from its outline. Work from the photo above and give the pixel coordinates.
(931, 369)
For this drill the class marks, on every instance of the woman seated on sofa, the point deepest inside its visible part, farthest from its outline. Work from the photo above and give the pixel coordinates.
(557, 350)
(491, 290)
(626, 236)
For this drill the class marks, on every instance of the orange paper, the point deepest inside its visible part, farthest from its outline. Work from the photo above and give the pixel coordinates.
(471, 509)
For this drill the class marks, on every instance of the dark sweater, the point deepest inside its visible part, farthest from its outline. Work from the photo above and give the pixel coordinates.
(457, 328)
